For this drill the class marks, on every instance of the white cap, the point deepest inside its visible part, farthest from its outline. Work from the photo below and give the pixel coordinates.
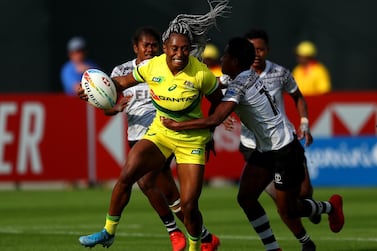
(76, 44)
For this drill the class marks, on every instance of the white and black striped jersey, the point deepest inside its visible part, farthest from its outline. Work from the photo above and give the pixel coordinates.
(258, 111)
(277, 80)
(140, 110)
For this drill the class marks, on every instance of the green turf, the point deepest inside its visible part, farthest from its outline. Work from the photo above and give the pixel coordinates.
(53, 220)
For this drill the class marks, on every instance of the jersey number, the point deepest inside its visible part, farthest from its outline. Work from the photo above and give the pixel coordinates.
(271, 100)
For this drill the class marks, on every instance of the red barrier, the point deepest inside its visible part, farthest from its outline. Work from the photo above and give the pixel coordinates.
(42, 137)
(50, 137)
(340, 113)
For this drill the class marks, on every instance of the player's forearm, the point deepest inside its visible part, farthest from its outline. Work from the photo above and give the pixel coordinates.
(201, 123)
(124, 82)
(302, 107)
(223, 110)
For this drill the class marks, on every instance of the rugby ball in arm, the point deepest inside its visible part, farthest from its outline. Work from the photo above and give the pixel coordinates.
(100, 89)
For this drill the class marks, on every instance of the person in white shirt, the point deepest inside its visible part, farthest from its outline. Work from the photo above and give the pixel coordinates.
(278, 155)
(278, 80)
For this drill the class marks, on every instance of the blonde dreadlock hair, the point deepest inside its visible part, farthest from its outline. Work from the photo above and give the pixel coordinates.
(196, 27)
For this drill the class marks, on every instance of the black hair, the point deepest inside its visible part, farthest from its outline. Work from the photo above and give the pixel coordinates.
(145, 31)
(241, 49)
(258, 33)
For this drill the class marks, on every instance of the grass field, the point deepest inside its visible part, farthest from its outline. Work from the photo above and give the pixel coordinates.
(53, 220)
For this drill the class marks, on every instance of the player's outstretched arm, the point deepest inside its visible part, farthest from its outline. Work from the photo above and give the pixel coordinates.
(223, 110)
(124, 82)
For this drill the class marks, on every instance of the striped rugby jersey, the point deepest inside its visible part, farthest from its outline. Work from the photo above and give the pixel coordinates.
(277, 80)
(258, 111)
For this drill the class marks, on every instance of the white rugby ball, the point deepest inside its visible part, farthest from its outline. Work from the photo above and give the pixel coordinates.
(100, 89)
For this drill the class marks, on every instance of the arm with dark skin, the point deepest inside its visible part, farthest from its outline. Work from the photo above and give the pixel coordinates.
(302, 108)
(223, 110)
(215, 99)
(119, 106)
(124, 82)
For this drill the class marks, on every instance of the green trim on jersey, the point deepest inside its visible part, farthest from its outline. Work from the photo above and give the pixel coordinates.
(178, 114)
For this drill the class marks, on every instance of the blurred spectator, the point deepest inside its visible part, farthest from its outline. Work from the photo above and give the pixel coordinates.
(72, 71)
(211, 57)
(311, 76)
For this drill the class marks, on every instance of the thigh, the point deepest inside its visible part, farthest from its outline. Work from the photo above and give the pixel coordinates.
(306, 186)
(289, 166)
(166, 183)
(287, 201)
(143, 157)
(254, 180)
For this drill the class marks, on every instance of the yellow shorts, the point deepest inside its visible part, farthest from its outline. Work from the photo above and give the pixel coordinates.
(188, 146)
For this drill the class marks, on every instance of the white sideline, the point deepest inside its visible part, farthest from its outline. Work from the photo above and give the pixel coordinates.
(49, 231)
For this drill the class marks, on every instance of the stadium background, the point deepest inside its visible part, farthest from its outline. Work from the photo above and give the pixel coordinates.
(34, 34)
(40, 125)
(32, 46)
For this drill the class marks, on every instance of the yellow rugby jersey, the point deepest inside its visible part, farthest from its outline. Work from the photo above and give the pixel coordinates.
(177, 97)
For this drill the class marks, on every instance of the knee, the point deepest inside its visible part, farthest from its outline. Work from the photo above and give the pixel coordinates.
(143, 185)
(148, 188)
(189, 208)
(170, 191)
(288, 212)
(187, 205)
(306, 190)
(245, 200)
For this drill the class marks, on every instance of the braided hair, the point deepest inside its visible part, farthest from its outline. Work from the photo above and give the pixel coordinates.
(196, 27)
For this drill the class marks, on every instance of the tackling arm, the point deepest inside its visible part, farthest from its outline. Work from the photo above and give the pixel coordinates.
(215, 99)
(223, 110)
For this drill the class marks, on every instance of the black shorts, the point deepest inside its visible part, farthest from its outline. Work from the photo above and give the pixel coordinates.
(287, 164)
(245, 151)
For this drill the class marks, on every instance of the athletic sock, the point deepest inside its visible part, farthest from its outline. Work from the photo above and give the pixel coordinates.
(169, 223)
(206, 236)
(111, 223)
(194, 243)
(261, 225)
(176, 206)
(303, 237)
(312, 207)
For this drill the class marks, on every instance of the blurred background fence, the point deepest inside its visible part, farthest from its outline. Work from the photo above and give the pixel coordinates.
(35, 33)
(58, 138)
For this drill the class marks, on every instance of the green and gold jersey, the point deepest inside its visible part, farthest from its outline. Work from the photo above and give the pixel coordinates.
(176, 96)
